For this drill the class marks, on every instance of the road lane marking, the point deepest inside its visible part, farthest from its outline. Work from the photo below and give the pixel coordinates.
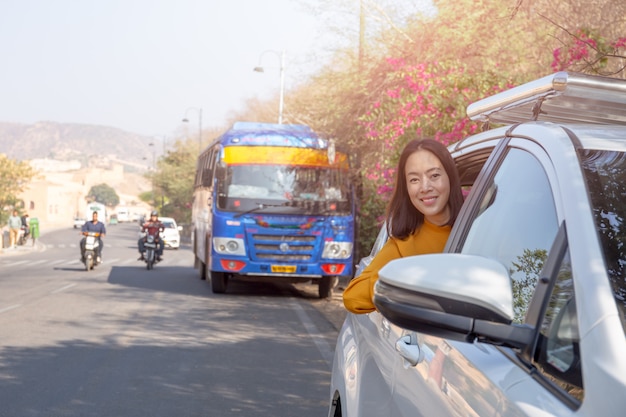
(313, 331)
(9, 308)
(16, 263)
(58, 290)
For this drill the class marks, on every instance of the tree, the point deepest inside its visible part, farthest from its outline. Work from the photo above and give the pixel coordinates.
(105, 194)
(174, 178)
(590, 52)
(14, 178)
(581, 41)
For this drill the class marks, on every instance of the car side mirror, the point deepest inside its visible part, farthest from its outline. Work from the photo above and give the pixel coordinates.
(456, 296)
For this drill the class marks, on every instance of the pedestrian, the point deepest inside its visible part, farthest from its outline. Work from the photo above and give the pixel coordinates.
(15, 223)
(25, 226)
(425, 203)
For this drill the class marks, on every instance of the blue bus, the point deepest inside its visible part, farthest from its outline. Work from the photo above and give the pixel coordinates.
(273, 202)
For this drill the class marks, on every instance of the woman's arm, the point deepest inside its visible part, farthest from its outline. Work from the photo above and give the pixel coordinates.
(357, 298)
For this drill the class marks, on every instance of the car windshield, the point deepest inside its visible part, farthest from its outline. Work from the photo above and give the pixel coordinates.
(168, 225)
(285, 189)
(605, 174)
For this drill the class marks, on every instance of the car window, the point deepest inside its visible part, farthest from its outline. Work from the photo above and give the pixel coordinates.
(516, 223)
(558, 353)
(605, 174)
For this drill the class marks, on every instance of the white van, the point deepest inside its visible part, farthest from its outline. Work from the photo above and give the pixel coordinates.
(123, 214)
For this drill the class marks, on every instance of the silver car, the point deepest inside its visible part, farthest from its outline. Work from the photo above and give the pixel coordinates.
(524, 312)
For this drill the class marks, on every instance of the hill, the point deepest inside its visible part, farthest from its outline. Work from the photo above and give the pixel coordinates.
(69, 141)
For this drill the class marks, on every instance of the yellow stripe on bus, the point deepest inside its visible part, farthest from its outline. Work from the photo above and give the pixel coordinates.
(280, 155)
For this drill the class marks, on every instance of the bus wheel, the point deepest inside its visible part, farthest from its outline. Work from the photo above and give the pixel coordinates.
(326, 285)
(202, 265)
(218, 282)
(202, 270)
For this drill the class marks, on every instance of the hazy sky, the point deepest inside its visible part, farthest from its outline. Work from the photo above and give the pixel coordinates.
(141, 65)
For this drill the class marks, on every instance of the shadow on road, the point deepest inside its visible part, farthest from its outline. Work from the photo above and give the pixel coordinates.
(181, 280)
(169, 359)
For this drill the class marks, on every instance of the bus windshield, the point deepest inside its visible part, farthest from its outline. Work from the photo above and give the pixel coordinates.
(285, 189)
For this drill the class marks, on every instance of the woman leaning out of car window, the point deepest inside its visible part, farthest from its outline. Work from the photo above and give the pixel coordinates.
(426, 200)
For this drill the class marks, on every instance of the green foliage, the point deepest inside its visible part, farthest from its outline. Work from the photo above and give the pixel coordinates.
(147, 197)
(173, 181)
(529, 266)
(105, 194)
(14, 178)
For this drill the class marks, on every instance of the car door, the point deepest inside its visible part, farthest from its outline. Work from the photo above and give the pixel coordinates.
(510, 216)
(370, 381)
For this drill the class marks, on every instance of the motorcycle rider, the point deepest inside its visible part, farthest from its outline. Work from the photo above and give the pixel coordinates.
(152, 227)
(93, 226)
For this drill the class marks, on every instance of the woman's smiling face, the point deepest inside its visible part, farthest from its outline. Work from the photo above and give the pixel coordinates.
(428, 186)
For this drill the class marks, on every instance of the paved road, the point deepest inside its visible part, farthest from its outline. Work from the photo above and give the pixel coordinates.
(124, 341)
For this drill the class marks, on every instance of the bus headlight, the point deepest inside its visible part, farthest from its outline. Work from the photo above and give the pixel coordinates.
(229, 246)
(337, 250)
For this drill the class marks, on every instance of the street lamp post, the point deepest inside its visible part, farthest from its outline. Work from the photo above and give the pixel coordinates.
(259, 68)
(186, 120)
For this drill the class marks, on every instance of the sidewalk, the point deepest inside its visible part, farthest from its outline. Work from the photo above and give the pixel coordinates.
(28, 247)
(20, 250)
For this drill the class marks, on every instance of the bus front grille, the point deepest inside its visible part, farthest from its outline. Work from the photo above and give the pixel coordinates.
(284, 258)
(283, 248)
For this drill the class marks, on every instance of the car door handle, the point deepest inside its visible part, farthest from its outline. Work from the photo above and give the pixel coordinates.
(411, 353)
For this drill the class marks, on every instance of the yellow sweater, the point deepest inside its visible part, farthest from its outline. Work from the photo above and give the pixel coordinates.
(358, 297)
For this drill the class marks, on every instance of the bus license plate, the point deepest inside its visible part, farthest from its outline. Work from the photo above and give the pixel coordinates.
(284, 268)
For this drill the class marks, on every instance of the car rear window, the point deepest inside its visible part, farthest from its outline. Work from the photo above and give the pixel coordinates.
(605, 173)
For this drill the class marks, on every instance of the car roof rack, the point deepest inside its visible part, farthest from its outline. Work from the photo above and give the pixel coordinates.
(561, 98)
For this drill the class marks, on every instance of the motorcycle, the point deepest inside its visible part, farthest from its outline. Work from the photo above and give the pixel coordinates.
(91, 250)
(149, 251)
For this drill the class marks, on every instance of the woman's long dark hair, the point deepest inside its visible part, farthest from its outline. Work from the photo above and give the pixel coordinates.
(406, 218)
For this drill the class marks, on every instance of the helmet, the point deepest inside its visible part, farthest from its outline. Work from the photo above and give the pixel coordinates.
(154, 213)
